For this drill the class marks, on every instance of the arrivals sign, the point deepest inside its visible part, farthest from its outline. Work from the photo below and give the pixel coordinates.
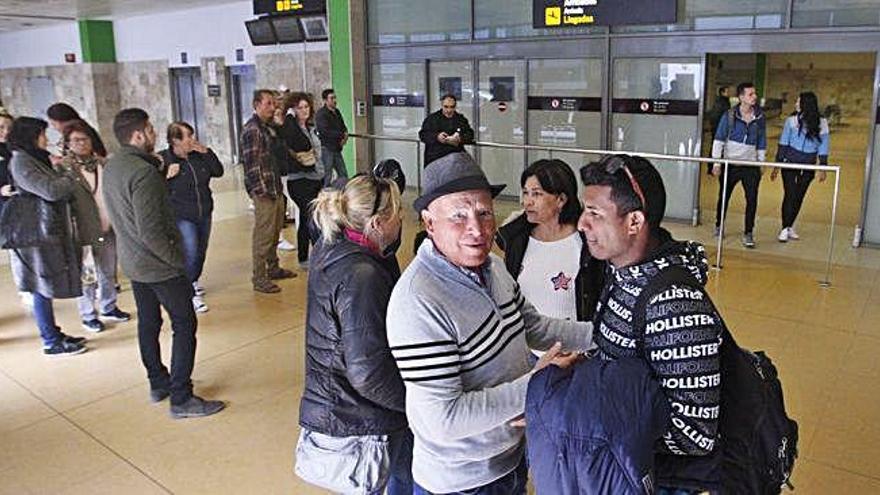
(579, 13)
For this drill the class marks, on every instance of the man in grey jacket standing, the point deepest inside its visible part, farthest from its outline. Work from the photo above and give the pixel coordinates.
(460, 332)
(151, 256)
(333, 134)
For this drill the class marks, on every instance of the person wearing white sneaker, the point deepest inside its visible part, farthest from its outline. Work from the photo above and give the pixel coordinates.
(805, 137)
(285, 245)
(189, 168)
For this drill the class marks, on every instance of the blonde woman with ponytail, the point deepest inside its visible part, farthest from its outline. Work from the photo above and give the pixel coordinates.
(354, 436)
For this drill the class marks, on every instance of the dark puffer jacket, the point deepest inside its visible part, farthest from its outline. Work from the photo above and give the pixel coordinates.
(592, 429)
(189, 191)
(513, 239)
(353, 386)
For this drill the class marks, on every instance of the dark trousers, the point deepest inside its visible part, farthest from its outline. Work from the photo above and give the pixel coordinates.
(175, 296)
(44, 313)
(513, 483)
(795, 183)
(751, 179)
(303, 192)
(194, 236)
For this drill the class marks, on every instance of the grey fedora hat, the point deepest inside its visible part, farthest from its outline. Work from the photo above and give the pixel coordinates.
(453, 173)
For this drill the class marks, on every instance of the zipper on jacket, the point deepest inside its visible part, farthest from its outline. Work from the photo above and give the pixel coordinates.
(196, 187)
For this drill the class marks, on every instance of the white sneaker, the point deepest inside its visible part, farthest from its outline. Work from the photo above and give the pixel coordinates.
(793, 235)
(783, 235)
(198, 289)
(199, 304)
(284, 245)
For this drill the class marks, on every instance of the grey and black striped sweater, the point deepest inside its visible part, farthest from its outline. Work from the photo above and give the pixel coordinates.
(462, 348)
(681, 339)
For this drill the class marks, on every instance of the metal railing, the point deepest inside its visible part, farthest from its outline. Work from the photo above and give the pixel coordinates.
(825, 282)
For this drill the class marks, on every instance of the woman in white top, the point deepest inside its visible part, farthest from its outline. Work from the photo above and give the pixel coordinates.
(543, 249)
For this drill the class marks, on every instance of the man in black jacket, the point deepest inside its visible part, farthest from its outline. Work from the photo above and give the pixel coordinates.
(151, 256)
(445, 131)
(333, 134)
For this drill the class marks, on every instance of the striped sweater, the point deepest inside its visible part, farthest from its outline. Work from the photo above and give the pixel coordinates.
(462, 348)
(680, 340)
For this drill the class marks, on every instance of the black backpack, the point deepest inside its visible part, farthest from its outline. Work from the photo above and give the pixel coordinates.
(758, 440)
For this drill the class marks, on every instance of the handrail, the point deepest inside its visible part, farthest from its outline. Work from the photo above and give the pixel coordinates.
(825, 282)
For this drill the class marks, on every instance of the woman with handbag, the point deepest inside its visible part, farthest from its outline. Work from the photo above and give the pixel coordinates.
(94, 231)
(45, 258)
(305, 182)
(354, 437)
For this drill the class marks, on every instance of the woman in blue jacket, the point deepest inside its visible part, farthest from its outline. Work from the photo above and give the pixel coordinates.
(804, 137)
(189, 167)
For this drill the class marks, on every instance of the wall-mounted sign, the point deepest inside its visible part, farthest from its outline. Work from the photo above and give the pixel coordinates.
(183, 58)
(239, 54)
(502, 88)
(655, 106)
(70, 58)
(578, 13)
(412, 101)
(450, 86)
(565, 104)
(213, 90)
(502, 106)
(296, 7)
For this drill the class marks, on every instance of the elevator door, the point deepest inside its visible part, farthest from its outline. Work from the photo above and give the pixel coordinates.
(244, 83)
(502, 101)
(565, 108)
(188, 96)
(656, 109)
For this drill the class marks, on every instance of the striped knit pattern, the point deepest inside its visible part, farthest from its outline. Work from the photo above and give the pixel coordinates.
(462, 349)
(680, 341)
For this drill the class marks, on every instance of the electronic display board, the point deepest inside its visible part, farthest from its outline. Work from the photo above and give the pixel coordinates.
(296, 7)
(580, 13)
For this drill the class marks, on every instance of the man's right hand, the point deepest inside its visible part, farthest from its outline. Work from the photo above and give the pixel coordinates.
(172, 171)
(442, 137)
(716, 169)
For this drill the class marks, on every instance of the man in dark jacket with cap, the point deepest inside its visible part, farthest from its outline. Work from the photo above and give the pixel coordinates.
(460, 332)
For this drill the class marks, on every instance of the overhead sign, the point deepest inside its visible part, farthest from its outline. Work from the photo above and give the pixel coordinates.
(579, 13)
(296, 7)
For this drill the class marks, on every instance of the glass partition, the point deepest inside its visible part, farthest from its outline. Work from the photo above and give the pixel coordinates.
(502, 101)
(825, 13)
(405, 21)
(712, 15)
(398, 110)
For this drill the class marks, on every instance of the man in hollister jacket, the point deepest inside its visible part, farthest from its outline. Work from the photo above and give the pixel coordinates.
(150, 254)
(445, 131)
(741, 134)
(676, 330)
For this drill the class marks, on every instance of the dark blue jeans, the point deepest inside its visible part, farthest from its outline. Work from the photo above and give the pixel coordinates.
(175, 296)
(44, 313)
(514, 483)
(401, 482)
(195, 237)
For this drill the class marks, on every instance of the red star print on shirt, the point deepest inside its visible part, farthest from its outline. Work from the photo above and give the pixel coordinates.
(561, 282)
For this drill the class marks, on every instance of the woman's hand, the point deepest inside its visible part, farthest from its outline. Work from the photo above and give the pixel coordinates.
(172, 171)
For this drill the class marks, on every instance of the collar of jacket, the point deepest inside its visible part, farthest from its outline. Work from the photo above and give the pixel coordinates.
(759, 113)
(150, 158)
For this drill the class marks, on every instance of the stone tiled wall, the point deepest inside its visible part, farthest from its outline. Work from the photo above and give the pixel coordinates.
(216, 124)
(286, 69)
(147, 85)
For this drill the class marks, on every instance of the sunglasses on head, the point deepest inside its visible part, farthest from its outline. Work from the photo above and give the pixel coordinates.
(380, 185)
(615, 164)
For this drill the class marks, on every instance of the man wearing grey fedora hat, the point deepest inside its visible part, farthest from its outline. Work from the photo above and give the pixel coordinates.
(460, 332)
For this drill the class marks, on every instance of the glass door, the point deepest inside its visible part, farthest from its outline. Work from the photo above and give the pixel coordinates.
(398, 110)
(455, 78)
(565, 108)
(244, 83)
(502, 107)
(656, 109)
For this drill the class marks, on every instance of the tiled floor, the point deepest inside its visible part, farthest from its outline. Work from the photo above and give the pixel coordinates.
(84, 425)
